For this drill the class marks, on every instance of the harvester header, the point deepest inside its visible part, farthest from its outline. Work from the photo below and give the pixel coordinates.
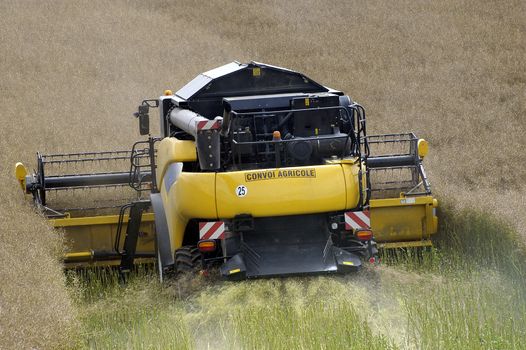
(258, 170)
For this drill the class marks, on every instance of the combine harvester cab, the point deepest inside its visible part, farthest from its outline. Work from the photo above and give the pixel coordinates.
(260, 171)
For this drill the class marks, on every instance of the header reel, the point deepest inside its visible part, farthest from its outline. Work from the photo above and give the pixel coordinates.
(59, 174)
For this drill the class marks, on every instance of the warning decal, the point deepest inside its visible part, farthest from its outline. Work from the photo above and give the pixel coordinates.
(211, 230)
(355, 220)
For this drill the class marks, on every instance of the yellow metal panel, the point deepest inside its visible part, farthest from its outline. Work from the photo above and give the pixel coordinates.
(423, 148)
(407, 244)
(352, 185)
(192, 196)
(285, 191)
(401, 201)
(403, 219)
(98, 233)
(95, 220)
(173, 150)
(79, 255)
(21, 173)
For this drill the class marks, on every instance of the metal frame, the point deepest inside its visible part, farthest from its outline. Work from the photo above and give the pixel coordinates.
(140, 177)
(418, 176)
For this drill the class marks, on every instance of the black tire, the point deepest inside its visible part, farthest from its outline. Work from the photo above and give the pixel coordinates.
(188, 259)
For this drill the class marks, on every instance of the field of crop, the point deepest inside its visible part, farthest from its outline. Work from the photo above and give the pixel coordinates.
(442, 299)
(453, 72)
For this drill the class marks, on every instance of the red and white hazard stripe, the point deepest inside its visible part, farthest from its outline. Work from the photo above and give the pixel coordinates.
(208, 124)
(356, 220)
(211, 230)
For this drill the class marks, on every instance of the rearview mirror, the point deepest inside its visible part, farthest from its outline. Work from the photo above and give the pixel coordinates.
(144, 119)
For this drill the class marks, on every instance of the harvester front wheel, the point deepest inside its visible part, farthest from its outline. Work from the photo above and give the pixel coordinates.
(188, 259)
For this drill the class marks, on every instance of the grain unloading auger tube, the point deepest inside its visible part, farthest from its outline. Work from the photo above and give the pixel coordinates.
(258, 170)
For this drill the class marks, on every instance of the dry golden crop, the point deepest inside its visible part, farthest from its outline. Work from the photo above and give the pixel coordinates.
(72, 72)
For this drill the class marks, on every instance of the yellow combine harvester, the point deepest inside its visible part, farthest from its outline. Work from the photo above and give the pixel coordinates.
(259, 170)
